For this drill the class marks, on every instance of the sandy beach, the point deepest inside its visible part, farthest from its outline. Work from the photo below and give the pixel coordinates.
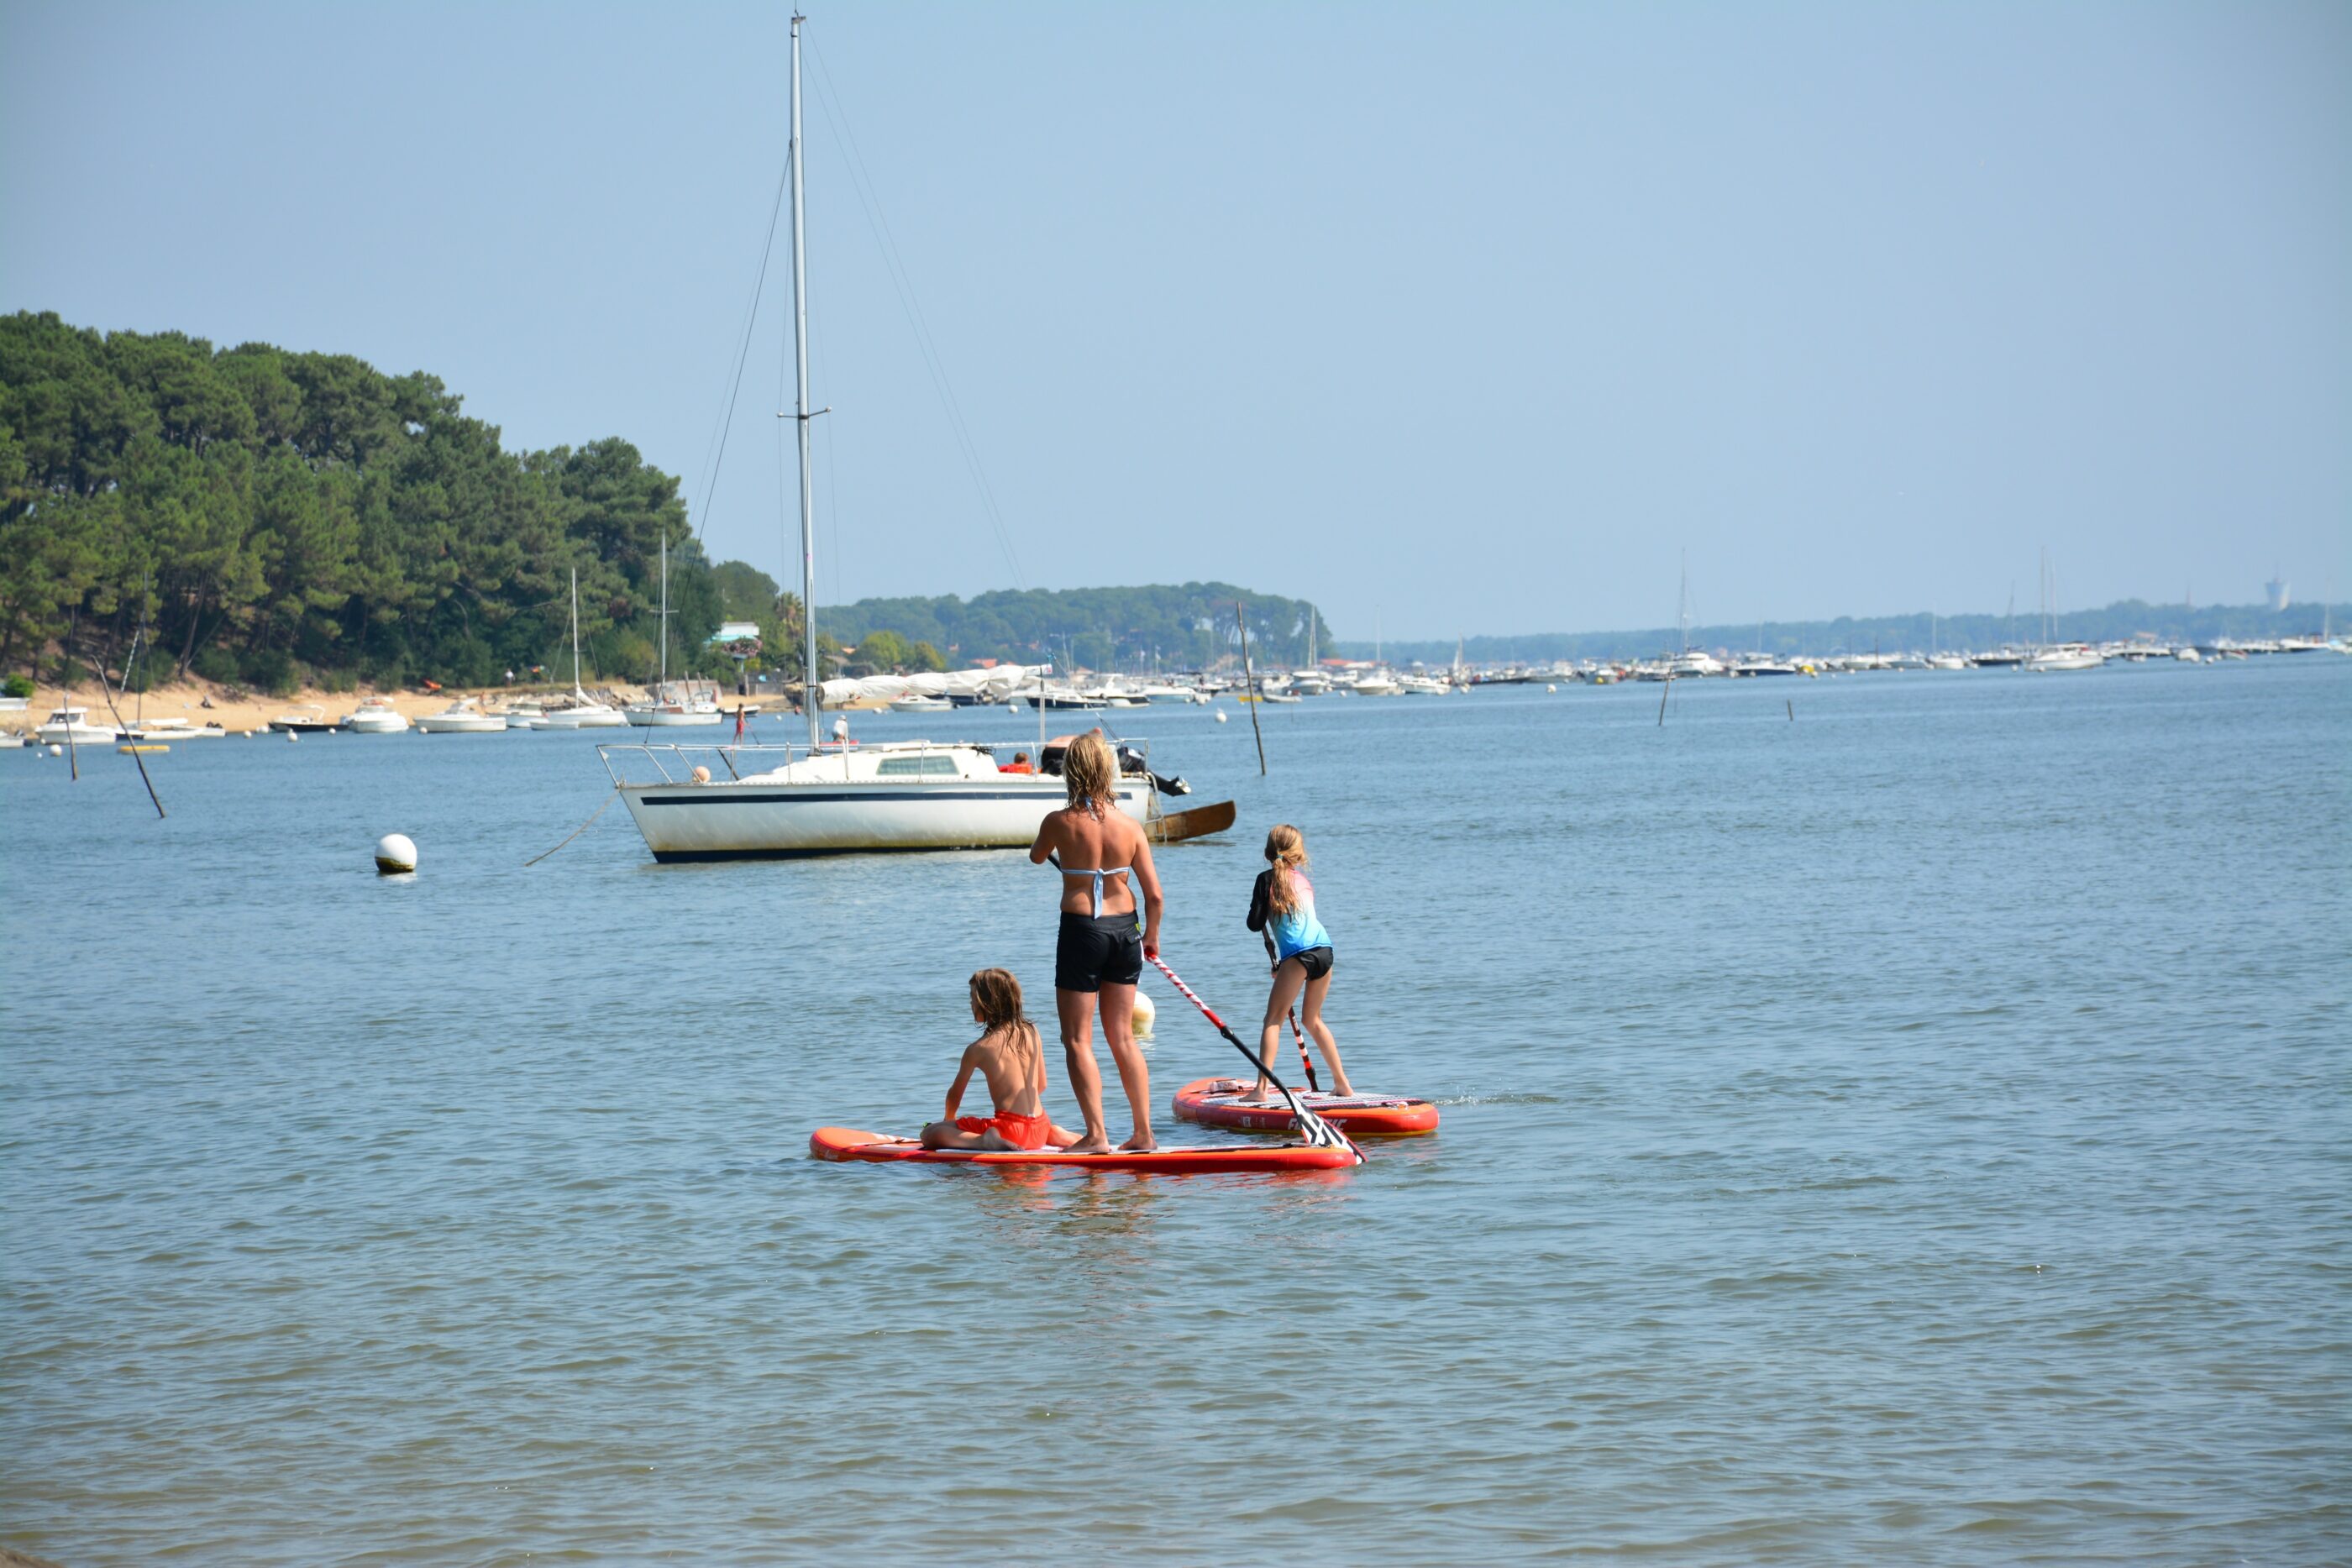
(204, 702)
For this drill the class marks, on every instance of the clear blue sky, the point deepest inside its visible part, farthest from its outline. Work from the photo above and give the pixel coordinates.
(1463, 318)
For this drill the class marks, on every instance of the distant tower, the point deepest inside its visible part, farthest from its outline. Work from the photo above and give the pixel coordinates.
(2277, 587)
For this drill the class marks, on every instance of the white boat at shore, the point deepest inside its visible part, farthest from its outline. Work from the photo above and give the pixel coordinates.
(674, 704)
(2066, 656)
(71, 725)
(376, 717)
(583, 711)
(174, 728)
(463, 716)
(915, 702)
(312, 720)
(1378, 683)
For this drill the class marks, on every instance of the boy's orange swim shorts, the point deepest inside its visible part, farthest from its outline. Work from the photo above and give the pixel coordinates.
(1020, 1131)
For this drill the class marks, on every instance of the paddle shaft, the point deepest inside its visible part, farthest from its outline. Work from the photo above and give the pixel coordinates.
(1305, 1061)
(1211, 1014)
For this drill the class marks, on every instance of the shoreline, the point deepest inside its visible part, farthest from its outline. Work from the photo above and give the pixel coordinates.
(203, 702)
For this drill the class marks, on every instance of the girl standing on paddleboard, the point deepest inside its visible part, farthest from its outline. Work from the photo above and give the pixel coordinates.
(1012, 1061)
(1282, 910)
(1100, 955)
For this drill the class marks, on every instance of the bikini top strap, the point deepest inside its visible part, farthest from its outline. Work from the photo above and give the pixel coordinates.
(1097, 873)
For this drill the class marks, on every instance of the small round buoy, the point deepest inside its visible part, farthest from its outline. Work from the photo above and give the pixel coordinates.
(293, 734)
(1221, 716)
(56, 750)
(1145, 1011)
(701, 775)
(1552, 688)
(395, 854)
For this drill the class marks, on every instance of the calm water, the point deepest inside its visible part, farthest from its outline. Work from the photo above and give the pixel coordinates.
(1915, 1131)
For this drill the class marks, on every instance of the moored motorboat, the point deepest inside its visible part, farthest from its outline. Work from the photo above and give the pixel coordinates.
(72, 726)
(376, 717)
(312, 720)
(175, 728)
(463, 716)
(2066, 656)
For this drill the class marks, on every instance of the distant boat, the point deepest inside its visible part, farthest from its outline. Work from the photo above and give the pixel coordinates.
(915, 702)
(583, 712)
(2066, 656)
(71, 725)
(175, 728)
(376, 717)
(463, 716)
(1378, 683)
(311, 721)
(674, 703)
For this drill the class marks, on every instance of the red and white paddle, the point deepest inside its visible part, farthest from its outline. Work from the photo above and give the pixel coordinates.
(1313, 1128)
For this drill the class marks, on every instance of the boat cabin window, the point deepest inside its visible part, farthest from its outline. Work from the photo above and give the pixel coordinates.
(922, 766)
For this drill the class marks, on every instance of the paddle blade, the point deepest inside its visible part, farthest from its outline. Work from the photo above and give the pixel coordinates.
(1317, 1132)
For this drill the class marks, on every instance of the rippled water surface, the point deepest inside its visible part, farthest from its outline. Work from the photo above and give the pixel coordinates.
(1915, 1131)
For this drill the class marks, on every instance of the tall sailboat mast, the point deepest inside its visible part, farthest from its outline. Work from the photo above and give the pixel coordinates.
(812, 684)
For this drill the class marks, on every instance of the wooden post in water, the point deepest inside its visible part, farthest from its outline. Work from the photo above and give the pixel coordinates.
(1661, 699)
(1249, 688)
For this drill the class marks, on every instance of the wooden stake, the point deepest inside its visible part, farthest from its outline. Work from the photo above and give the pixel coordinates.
(1249, 688)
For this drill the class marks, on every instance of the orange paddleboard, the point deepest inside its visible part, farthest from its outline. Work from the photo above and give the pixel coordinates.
(1217, 1102)
(848, 1144)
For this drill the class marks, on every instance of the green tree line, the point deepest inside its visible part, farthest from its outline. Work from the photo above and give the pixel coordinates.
(1166, 626)
(269, 517)
(265, 516)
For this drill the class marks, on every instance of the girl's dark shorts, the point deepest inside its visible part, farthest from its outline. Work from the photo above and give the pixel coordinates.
(1096, 950)
(1316, 961)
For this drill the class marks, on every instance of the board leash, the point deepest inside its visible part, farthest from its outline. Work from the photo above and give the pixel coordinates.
(1311, 1127)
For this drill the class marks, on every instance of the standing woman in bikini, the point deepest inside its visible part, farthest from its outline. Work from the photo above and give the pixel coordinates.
(1101, 952)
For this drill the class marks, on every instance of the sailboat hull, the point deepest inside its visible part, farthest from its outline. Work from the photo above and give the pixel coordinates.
(755, 819)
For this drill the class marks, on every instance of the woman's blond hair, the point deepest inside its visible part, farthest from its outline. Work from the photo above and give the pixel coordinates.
(1286, 847)
(996, 997)
(1090, 775)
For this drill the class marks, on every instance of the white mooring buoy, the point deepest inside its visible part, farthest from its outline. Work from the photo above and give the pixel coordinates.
(293, 734)
(1221, 716)
(1552, 688)
(1144, 1013)
(396, 854)
(56, 750)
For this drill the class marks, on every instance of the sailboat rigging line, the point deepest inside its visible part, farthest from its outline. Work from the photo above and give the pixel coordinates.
(742, 355)
(869, 199)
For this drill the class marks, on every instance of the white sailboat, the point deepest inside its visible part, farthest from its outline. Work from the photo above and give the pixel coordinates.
(674, 703)
(584, 712)
(911, 795)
